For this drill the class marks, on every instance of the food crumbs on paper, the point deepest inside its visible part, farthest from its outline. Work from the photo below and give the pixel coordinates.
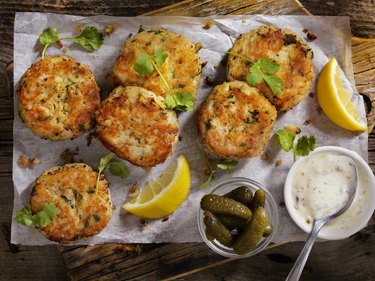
(65, 49)
(216, 65)
(311, 36)
(26, 162)
(67, 156)
(264, 156)
(208, 81)
(307, 122)
(109, 29)
(319, 109)
(282, 204)
(58, 44)
(208, 24)
(89, 138)
(279, 162)
(293, 129)
(143, 223)
(305, 30)
(165, 219)
(133, 191)
(197, 47)
(311, 95)
(203, 64)
(243, 20)
(79, 28)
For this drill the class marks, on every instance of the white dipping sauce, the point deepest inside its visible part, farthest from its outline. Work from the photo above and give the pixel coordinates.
(321, 187)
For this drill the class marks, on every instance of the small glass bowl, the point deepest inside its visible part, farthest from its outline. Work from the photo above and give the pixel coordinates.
(270, 206)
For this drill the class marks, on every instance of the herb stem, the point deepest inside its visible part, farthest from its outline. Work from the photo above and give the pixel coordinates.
(161, 75)
(239, 56)
(97, 183)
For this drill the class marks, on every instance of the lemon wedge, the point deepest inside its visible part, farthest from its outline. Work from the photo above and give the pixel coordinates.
(163, 195)
(335, 100)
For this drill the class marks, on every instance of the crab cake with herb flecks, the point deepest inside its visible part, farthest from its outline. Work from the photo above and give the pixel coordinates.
(235, 121)
(58, 98)
(81, 213)
(286, 49)
(135, 124)
(181, 68)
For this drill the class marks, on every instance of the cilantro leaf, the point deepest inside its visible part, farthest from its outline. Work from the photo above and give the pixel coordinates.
(285, 139)
(275, 83)
(268, 66)
(181, 101)
(263, 70)
(24, 216)
(116, 168)
(41, 219)
(160, 57)
(48, 36)
(227, 165)
(305, 145)
(90, 39)
(255, 76)
(143, 65)
(119, 169)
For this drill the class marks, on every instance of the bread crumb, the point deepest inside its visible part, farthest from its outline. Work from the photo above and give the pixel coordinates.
(79, 28)
(305, 30)
(208, 24)
(197, 47)
(203, 64)
(307, 122)
(311, 36)
(133, 191)
(216, 65)
(243, 20)
(67, 156)
(292, 128)
(26, 162)
(264, 156)
(165, 219)
(279, 162)
(208, 81)
(109, 29)
(311, 94)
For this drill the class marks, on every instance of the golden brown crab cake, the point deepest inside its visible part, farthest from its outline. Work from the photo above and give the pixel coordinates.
(58, 97)
(286, 49)
(181, 69)
(235, 121)
(134, 123)
(81, 213)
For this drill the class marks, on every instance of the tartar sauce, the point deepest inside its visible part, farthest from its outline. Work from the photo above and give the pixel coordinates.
(321, 187)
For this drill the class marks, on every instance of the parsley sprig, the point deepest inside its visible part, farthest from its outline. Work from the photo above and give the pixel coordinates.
(115, 167)
(212, 167)
(41, 219)
(90, 38)
(263, 70)
(146, 64)
(302, 147)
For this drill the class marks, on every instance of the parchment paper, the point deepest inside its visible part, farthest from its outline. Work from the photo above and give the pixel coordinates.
(333, 40)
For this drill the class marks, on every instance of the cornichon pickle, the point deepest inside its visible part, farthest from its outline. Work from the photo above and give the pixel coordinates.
(252, 233)
(258, 200)
(216, 229)
(232, 222)
(268, 230)
(242, 194)
(220, 205)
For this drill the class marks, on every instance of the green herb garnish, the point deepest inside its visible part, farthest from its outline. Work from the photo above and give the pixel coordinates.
(115, 167)
(90, 38)
(262, 70)
(146, 64)
(212, 167)
(303, 146)
(40, 219)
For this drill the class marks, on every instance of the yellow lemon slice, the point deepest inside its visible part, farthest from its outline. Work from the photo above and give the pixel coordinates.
(163, 195)
(335, 101)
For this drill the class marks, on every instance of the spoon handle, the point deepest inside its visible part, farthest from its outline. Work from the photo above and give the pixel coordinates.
(297, 269)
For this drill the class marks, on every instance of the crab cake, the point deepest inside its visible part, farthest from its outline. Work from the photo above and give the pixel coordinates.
(181, 69)
(58, 98)
(286, 49)
(235, 121)
(81, 213)
(135, 124)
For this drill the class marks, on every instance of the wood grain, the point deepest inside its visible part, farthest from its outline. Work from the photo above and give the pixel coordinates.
(350, 259)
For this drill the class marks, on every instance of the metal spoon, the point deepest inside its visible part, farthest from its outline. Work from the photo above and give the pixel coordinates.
(296, 271)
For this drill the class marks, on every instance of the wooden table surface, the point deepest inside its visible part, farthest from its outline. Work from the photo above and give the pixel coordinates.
(349, 259)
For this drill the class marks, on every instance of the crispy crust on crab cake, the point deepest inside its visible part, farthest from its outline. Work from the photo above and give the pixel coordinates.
(58, 98)
(283, 47)
(80, 212)
(181, 69)
(235, 121)
(135, 124)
